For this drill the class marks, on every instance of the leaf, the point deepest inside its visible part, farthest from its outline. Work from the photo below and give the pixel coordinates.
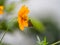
(44, 42)
(37, 25)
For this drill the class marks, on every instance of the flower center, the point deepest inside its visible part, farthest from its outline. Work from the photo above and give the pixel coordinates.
(23, 18)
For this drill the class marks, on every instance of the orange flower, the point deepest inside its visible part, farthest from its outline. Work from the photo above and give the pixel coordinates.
(23, 17)
(1, 9)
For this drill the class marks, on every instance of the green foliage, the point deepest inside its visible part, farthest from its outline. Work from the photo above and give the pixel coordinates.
(3, 25)
(10, 7)
(2, 2)
(37, 25)
(44, 42)
(12, 24)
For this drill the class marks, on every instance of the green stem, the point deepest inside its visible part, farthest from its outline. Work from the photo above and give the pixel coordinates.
(56, 43)
(3, 36)
(6, 31)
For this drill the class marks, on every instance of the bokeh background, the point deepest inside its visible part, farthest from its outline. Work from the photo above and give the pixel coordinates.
(46, 13)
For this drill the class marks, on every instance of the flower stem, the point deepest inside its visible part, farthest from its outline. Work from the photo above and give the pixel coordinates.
(6, 30)
(56, 43)
(3, 36)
